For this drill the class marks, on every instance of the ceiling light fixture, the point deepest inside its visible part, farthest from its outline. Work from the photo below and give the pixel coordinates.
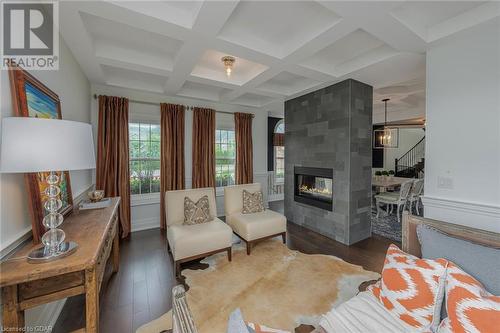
(228, 62)
(386, 137)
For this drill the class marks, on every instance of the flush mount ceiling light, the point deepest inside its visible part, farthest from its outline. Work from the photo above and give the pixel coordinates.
(386, 137)
(228, 62)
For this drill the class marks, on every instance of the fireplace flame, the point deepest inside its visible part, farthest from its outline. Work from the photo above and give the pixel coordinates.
(314, 190)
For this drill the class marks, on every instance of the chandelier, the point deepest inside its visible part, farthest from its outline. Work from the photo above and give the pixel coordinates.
(386, 137)
(228, 62)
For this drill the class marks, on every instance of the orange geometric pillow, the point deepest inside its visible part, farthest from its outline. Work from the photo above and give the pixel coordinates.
(470, 307)
(412, 289)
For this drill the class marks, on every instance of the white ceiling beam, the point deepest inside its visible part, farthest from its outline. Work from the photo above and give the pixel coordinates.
(466, 20)
(210, 19)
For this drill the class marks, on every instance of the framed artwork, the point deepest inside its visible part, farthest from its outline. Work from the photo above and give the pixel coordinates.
(31, 98)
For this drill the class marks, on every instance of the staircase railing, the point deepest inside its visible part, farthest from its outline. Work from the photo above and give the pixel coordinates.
(407, 164)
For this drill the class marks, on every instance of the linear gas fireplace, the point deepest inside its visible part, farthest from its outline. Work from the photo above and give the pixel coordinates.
(313, 186)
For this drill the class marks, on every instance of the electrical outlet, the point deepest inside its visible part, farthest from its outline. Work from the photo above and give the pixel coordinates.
(445, 183)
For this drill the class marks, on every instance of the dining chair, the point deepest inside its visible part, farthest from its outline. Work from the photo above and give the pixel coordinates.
(398, 199)
(415, 194)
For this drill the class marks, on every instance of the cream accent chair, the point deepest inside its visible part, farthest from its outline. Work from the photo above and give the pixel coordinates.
(189, 242)
(251, 227)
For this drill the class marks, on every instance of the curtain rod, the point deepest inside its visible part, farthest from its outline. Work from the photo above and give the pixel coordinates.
(158, 104)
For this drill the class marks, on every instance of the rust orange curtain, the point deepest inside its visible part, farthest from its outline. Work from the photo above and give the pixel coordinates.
(172, 153)
(203, 148)
(278, 139)
(244, 148)
(112, 169)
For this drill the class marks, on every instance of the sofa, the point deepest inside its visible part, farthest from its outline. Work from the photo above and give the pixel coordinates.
(472, 249)
(189, 242)
(253, 227)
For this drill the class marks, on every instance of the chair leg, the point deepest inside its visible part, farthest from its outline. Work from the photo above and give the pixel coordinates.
(177, 269)
(397, 213)
(249, 248)
(283, 236)
(229, 254)
(417, 203)
(378, 207)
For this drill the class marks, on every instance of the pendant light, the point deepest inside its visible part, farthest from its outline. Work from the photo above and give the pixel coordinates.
(228, 62)
(386, 137)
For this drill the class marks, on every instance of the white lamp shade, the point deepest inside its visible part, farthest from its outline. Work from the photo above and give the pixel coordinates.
(37, 145)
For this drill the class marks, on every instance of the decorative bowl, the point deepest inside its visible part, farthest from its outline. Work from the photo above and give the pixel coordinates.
(96, 195)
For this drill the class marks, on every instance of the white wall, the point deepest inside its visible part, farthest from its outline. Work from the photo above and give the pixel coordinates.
(462, 177)
(145, 209)
(73, 89)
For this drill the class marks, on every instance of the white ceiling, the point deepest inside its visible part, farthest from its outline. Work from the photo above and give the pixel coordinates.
(283, 48)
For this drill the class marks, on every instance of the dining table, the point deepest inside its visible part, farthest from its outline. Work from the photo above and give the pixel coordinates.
(382, 183)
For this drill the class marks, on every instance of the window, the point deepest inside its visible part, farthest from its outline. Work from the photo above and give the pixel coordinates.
(279, 163)
(144, 146)
(225, 157)
(279, 152)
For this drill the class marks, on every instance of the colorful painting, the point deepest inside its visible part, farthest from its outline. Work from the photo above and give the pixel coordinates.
(39, 104)
(31, 98)
(63, 185)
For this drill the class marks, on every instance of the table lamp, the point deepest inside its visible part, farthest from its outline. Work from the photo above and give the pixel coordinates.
(47, 145)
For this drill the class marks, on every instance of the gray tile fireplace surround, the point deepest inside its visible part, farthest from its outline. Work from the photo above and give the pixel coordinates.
(331, 128)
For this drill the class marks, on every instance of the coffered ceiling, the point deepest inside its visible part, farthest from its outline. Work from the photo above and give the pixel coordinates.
(282, 48)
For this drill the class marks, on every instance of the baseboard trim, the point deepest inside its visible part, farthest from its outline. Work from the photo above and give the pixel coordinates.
(145, 224)
(462, 206)
(472, 214)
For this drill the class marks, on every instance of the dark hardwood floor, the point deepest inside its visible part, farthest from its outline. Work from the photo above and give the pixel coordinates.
(140, 291)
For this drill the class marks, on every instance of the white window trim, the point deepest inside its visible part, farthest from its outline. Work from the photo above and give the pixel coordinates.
(144, 199)
(219, 191)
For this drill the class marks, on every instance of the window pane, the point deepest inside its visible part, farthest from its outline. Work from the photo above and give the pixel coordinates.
(133, 131)
(155, 149)
(231, 150)
(144, 149)
(145, 132)
(135, 169)
(145, 177)
(155, 132)
(280, 128)
(134, 149)
(279, 162)
(155, 176)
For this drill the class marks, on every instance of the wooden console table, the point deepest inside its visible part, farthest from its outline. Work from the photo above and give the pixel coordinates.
(26, 285)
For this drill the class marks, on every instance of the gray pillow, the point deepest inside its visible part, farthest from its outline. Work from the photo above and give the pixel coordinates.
(481, 262)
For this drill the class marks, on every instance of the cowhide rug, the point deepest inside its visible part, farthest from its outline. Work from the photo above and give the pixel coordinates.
(274, 286)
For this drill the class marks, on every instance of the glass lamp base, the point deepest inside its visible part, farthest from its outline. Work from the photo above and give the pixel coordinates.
(43, 254)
